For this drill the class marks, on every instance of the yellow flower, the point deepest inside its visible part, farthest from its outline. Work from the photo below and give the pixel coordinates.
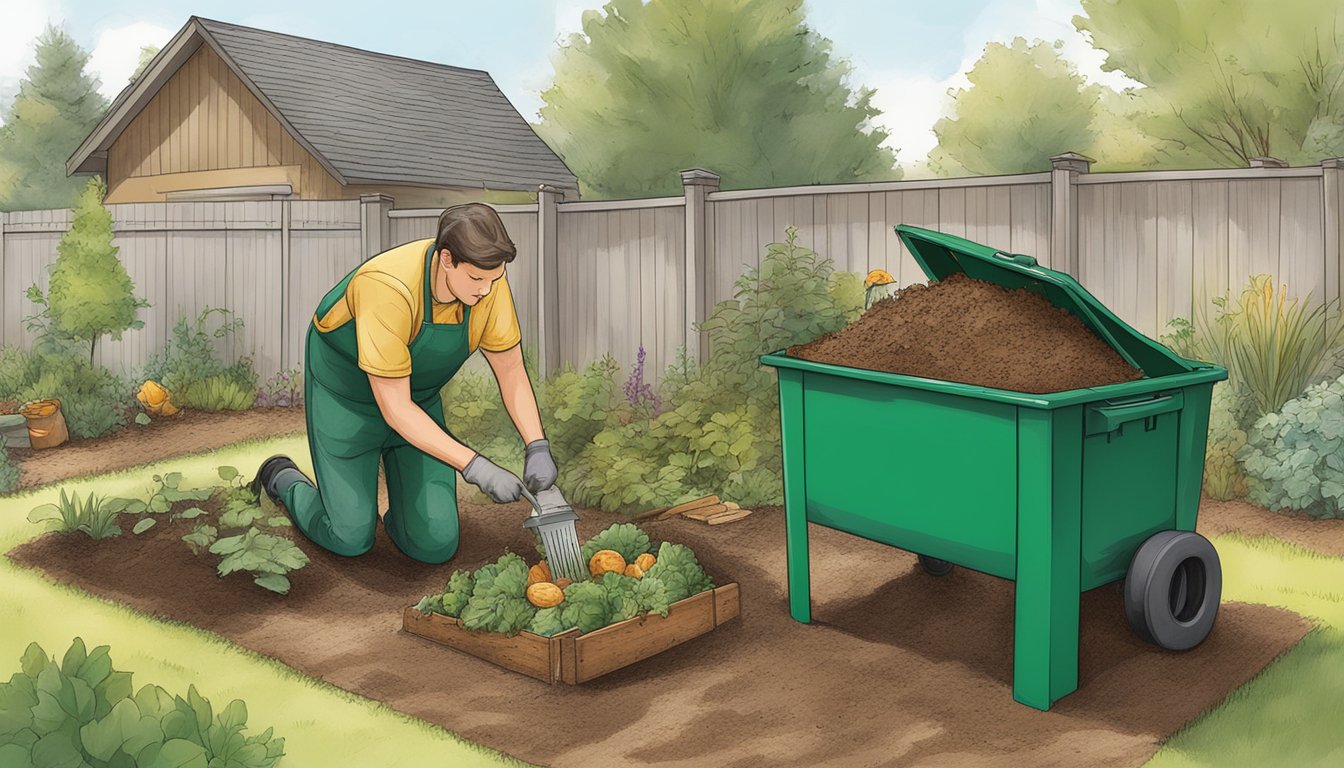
(878, 277)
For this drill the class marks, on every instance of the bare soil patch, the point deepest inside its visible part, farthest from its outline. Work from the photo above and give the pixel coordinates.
(187, 432)
(1323, 536)
(974, 332)
(900, 668)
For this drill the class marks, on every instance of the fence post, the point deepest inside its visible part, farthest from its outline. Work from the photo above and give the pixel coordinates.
(375, 228)
(697, 183)
(287, 355)
(1064, 210)
(548, 283)
(1334, 227)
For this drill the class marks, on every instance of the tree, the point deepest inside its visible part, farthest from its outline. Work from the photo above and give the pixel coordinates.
(91, 295)
(147, 54)
(1025, 104)
(57, 106)
(1227, 81)
(743, 87)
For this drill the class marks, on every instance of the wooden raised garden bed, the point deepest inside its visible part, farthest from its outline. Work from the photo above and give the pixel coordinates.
(573, 658)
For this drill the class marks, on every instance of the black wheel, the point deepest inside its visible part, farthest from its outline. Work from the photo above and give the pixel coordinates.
(1172, 590)
(935, 567)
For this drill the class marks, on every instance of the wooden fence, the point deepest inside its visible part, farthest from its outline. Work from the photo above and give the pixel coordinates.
(606, 277)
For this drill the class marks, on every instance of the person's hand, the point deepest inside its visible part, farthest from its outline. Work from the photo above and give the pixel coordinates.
(539, 470)
(501, 485)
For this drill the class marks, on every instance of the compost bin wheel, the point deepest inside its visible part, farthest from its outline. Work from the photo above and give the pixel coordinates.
(1172, 589)
(935, 567)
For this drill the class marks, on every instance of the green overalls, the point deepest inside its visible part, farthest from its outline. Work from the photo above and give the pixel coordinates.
(347, 435)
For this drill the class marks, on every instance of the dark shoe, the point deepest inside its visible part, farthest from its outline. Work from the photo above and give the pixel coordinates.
(265, 479)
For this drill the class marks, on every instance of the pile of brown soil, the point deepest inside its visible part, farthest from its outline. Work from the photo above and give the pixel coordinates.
(973, 332)
(899, 668)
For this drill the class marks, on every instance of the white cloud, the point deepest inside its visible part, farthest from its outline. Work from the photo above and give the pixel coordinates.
(912, 104)
(117, 53)
(23, 23)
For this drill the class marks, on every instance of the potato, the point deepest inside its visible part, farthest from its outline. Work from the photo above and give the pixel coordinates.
(606, 560)
(544, 594)
(645, 562)
(634, 570)
(562, 582)
(538, 573)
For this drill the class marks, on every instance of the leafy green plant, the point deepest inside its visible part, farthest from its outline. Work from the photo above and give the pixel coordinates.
(493, 598)
(267, 557)
(92, 515)
(718, 431)
(498, 601)
(1295, 458)
(201, 537)
(162, 498)
(190, 368)
(83, 712)
(9, 473)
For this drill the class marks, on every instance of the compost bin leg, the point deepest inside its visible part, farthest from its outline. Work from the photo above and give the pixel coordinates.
(795, 493)
(1049, 531)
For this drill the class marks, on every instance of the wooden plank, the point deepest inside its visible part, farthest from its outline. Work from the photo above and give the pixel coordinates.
(704, 513)
(727, 604)
(620, 645)
(704, 501)
(731, 516)
(525, 652)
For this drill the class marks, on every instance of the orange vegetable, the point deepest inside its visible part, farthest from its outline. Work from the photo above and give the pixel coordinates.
(606, 560)
(545, 595)
(538, 573)
(634, 571)
(645, 562)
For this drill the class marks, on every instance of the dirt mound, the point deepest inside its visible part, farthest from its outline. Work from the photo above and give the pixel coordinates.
(974, 332)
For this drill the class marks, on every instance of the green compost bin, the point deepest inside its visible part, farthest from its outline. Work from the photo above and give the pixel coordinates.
(1060, 492)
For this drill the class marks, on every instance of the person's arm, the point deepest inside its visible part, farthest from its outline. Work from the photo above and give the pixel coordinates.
(515, 388)
(393, 396)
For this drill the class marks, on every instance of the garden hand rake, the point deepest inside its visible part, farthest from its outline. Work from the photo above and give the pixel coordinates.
(553, 519)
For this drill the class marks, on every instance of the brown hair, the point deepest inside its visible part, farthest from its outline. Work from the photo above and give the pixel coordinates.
(473, 233)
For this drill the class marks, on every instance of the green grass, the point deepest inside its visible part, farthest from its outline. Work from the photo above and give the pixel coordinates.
(322, 725)
(1288, 714)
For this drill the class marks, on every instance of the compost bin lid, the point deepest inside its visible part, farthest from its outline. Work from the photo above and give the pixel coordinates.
(940, 255)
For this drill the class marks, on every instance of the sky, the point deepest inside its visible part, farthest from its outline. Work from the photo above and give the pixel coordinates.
(911, 53)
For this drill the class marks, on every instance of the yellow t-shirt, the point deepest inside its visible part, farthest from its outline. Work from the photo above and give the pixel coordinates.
(386, 300)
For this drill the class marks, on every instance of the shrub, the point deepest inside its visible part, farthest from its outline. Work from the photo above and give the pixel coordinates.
(719, 431)
(9, 474)
(190, 369)
(83, 712)
(94, 401)
(1224, 477)
(1295, 458)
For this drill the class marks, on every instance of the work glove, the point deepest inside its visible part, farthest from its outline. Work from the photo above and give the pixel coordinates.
(501, 485)
(539, 470)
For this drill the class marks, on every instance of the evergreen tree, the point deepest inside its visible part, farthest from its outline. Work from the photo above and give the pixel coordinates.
(742, 87)
(57, 106)
(91, 294)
